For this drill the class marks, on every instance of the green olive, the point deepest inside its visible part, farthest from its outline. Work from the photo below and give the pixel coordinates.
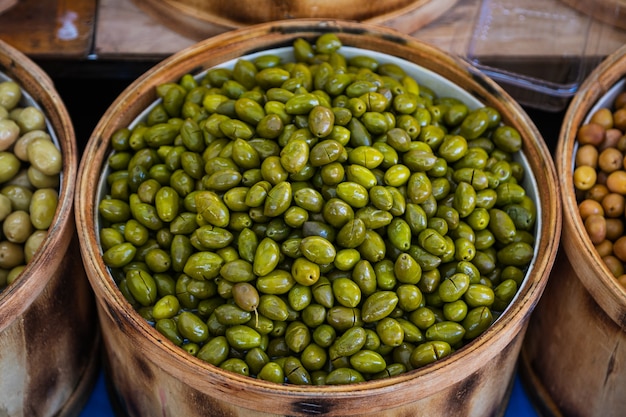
(344, 376)
(407, 270)
(390, 331)
(166, 307)
(447, 331)
(313, 357)
(169, 329)
(318, 250)
(379, 305)
(203, 265)
(430, 352)
(276, 282)
(272, 372)
(9, 165)
(347, 292)
(266, 257)
(295, 372)
(17, 226)
(453, 288)
(243, 337)
(142, 286)
(299, 297)
(215, 351)
(477, 321)
(192, 327)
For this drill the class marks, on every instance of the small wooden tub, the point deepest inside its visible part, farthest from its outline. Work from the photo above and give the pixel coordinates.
(49, 342)
(151, 376)
(574, 356)
(202, 18)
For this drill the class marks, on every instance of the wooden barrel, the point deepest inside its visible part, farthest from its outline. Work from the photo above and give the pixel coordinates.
(199, 19)
(150, 376)
(49, 355)
(575, 350)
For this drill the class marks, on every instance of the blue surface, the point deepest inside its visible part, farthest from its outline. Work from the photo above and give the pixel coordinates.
(99, 405)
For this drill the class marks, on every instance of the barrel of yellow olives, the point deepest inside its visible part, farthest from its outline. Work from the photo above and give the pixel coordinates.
(48, 325)
(321, 304)
(199, 18)
(574, 350)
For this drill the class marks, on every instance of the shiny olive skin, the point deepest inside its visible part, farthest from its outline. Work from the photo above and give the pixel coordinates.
(429, 352)
(323, 218)
(350, 342)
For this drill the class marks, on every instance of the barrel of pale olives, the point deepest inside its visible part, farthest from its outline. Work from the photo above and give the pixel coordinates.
(283, 258)
(48, 324)
(576, 343)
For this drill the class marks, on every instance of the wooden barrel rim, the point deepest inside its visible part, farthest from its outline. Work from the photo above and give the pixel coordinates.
(593, 273)
(237, 43)
(16, 298)
(199, 24)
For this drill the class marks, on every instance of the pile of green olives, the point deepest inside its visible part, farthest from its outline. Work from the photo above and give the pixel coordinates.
(322, 221)
(30, 169)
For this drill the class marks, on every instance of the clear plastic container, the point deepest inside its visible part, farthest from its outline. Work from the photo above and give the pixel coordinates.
(539, 51)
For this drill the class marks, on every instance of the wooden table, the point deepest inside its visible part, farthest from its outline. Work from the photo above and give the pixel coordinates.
(118, 30)
(50, 29)
(452, 31)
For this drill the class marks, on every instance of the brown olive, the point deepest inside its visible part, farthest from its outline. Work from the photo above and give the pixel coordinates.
(597, 192)
(604, 248)
(603, 117)
(591, 133)
(610, 159)
(619, 119)
(595, 225)
(619, 248)
(611, 139)
(589, 207)
(614, 264)
(614, 228)
(613, 205)
(616, 182)
(587, 155)
(620, 100)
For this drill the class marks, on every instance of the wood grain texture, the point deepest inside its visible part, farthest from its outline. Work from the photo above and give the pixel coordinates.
(572, 360)
(48, 328)
(246, 12)
(199, 19)
(125, 31)
(118, 29)
(45, 29)
(154, 377)
(128, 32)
